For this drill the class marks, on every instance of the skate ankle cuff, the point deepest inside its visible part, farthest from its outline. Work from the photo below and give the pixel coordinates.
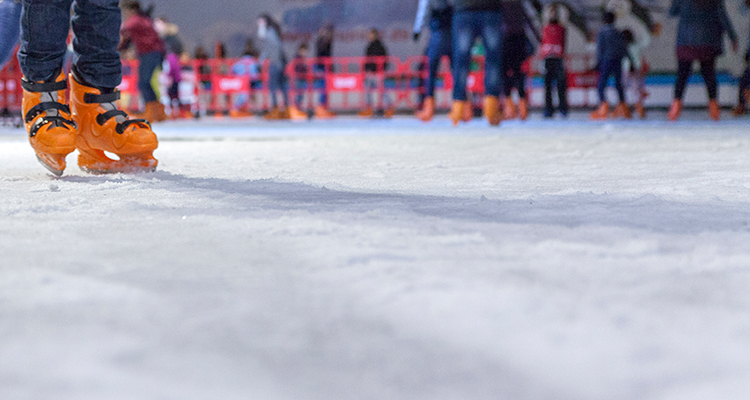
(93, 98)
(34, 87)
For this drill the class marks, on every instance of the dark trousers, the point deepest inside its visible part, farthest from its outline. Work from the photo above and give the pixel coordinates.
(44, 30)
(611, 68)
(440, 45)
(708, 70)
(147, 64)
(514, 55)
(10, 19)
(467, 26)
(276, 82)
(744, 86)
(555, 74)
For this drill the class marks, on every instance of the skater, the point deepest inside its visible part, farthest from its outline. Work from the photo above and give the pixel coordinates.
(439, 13)
(700, 35)
(269, 31)
(323, 53)
(516, 49)
(553, 51)
(374, 68)
(91, 121)
(744, 89)
(637, 68)
(10, 21)
(610, 51)
(472, 19)
(139, 31)
(300, 82)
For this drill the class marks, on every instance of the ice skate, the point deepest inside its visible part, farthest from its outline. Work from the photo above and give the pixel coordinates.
(739, 110)
(428, 110)
(296, 114)
(492, 110)
(366, 113)
(622, 111)
(323, 113)
(714, 111)
(52, 132)
(102, 127)
(640, 110)
(458, 111)
(601, 113)
(675, 110)
(273, 115)
(510, 109)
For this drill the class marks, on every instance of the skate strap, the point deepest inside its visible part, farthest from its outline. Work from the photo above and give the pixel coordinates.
(34, 87)
(42, 107)
(57, 120)
(125, 124)
(102, 118)
(92, 98)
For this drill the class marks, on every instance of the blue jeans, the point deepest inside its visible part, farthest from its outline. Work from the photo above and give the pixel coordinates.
(606, 69)
(96, 25)
(147, 64)
(440, 45)
(744, 85)
(10, 21)
(467, 26)
(276, 82)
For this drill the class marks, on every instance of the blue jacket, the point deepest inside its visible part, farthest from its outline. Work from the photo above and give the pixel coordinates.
(701, 26)
(610, 45)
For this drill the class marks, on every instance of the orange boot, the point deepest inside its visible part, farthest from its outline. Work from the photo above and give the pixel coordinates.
(457, 111)
(52, 132)
(492, 110)
(322, 113)
(738, 110)
(366, 113)
(640, 110)
(601, 113)
(297, 114)
(273, 114)
(102, 127)
(428, 110)
(713, 110)
(523, 109)
(675, 110)
(468, 112)
(510, 109)
(622, 111)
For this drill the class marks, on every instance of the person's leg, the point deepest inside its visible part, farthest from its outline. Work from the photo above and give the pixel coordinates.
(562, 86)
(684, 68)
(464, 33)
(549, 77)
(434, 55)
(273, 84)
(708, 71)
(10, 25)
(604, 71)
(744, 87)
(96, 25)
(44, 29)
(147, 64)
(617, 72)
(493, 31)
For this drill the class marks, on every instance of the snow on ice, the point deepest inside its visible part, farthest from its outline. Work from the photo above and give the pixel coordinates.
(384, 260)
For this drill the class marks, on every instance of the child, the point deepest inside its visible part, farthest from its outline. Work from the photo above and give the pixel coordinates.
(553, 51)
(374, 68)
(610, 50)
(637, 71)
(300, 82)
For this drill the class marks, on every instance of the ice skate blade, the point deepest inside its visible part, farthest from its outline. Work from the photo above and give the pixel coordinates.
(56, 172)
(100, 164)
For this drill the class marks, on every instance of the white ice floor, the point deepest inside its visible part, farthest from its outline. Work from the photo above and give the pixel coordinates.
(384, 260)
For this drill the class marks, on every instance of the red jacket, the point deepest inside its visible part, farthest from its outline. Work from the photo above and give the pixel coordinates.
(139, 30)
(553, 41)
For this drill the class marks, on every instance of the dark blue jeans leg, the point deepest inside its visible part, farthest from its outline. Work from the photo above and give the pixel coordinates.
(440, 45)
(493, 31)
(617, 72)
(96, 25)
(744, 86)
(10, 28)
(562, 87)
(465, 30)
(44, 29)
(607, 69)
(147, 64)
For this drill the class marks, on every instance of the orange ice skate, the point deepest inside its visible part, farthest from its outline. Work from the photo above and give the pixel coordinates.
(713, 110)
(52, 132)
(492, 110)
(523, 109)
(458, 111)
(427, 111)
(622, 111)
(297, 114)
(102, 127)
(510, 109)
(323, 113)
(601, 113)
(675, 110)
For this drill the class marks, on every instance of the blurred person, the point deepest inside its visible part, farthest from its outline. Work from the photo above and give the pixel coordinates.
(300, 82)
(169, 34)
(473, 19)
(174, 49)
(10, 26)
(138, 30)
(438, 14)
(90, 120)
(269, 32)
(247, 66)
(744, 87)
(323, 53)
(700, 35)
(552, 50)
(637, 68)
(374, 67)
(516, 50)
(610, 51)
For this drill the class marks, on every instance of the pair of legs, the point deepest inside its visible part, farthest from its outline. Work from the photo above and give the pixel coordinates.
(708, 71)
(555, 75)
(440, 46)
(276, 83)
(514, 55)
(611, 68)
(467, 27)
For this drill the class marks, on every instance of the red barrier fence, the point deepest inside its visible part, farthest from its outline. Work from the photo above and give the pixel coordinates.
(240, 87)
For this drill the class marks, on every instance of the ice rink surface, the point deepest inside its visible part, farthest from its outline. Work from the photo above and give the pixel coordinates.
(384, 260)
